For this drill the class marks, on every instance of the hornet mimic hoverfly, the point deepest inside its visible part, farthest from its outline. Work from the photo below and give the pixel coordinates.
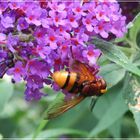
(81, 83)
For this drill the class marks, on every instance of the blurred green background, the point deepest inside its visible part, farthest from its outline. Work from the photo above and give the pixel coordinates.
(110, 117)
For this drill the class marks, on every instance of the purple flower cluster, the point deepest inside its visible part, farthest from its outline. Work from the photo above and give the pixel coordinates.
(36, 37)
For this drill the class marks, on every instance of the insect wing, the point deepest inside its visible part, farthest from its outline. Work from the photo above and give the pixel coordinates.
(61, 106)
(82, 70)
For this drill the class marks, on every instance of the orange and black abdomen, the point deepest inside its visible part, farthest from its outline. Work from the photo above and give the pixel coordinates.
(66, 80)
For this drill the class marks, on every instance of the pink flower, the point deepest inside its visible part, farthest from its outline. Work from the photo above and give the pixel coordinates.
(92, 54)
(62, 31)
(33, 16)
(18, 71)
(102, 28)
(42, 50)
(2, 38)
(78, 9)
(102, 13)
(72, 20)
(51, 39)
(90, 22)
(58, 19)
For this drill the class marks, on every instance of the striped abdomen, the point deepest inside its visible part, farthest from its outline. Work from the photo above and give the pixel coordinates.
(66, 80)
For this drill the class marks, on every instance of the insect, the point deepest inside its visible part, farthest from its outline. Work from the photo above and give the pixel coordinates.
(81, 83)
(6, 64)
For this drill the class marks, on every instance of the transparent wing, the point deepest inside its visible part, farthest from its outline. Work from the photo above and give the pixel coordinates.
(61, 106)
(83, 71)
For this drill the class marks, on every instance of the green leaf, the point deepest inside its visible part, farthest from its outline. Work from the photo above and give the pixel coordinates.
(115, 110)
(136, 59)
(6, 91)
(128, 95)
(112, 74)
(136, 114)
(118, 40)
(56, 102)
(134, 101)
(138, 39)
(53, 133)
(103, 103)
(1, 137)
(114, 54)
(40, 128)
(134, 28)
(115, 129)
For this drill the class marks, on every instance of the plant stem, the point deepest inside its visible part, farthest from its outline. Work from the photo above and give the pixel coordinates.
(40, 127)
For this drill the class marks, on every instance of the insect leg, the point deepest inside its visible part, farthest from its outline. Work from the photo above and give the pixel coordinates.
(93, 102)
(71, 52)
(95, 72)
